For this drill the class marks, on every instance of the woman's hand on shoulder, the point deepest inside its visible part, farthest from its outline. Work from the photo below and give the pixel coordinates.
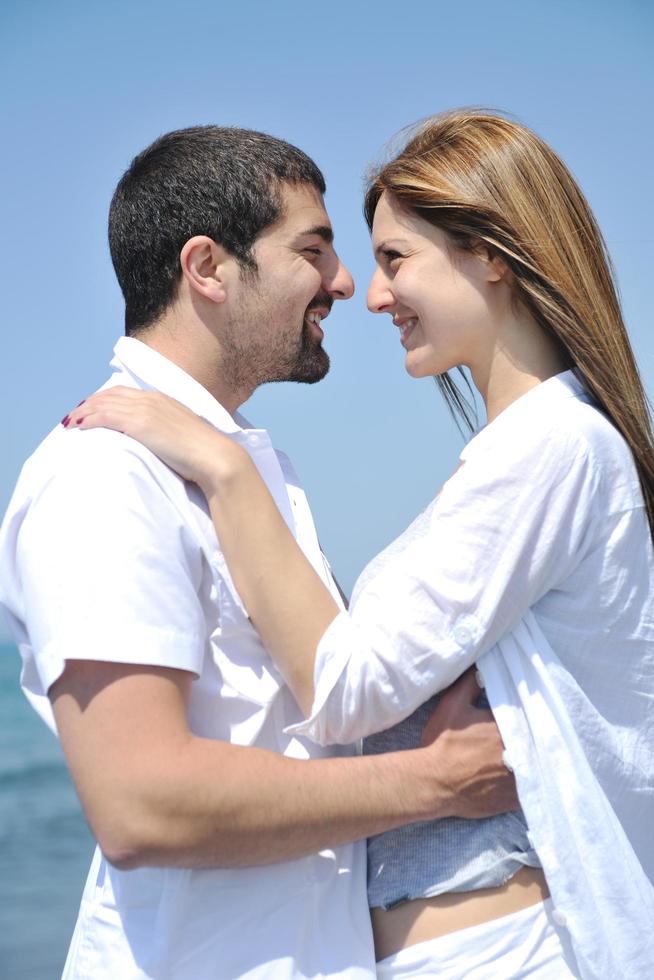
(174, 433)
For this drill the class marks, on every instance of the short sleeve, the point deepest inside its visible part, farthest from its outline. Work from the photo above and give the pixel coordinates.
(107, 569)
(509, 526)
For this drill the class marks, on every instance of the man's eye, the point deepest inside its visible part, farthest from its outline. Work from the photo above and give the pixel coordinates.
(314, 251)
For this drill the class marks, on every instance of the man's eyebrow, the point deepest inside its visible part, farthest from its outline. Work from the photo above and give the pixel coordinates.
(322, 231)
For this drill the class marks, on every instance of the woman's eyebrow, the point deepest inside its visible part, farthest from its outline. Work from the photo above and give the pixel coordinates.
(379, 249)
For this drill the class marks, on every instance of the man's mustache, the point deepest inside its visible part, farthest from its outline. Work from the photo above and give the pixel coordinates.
(324, 300)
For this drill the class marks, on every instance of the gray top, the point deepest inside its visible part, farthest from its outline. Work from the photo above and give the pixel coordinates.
(429, 858)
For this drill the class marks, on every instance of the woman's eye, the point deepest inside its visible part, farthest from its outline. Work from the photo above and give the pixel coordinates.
(391, 256)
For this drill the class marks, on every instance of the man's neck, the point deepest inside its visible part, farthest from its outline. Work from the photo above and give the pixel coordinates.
(199, 360)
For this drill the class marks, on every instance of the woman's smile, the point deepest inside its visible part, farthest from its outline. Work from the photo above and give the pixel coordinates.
(406, 325)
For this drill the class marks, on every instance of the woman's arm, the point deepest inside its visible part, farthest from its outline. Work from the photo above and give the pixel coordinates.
(285, 598)
(507, 528)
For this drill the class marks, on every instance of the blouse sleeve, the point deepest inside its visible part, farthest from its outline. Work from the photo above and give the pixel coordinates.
(510, 525)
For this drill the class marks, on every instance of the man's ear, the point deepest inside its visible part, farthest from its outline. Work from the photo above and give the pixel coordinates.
(203, 267)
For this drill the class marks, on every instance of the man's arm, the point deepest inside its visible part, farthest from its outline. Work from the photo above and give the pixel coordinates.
(156, 794)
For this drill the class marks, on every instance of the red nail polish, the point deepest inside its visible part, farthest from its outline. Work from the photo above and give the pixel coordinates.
(81, 403)
(65, 421)
(79, 421)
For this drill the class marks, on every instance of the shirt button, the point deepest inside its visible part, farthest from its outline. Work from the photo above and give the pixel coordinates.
(559, 917)
(506, 759)
(530, 840)
(462, 635)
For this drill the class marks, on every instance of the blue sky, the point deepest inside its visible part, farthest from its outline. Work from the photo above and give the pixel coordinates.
(86, 85)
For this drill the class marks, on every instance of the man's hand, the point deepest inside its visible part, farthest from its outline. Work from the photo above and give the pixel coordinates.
(466, 750)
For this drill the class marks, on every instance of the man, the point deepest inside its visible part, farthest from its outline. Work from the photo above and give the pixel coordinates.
(224, 842)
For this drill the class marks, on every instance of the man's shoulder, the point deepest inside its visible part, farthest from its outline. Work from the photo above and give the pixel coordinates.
(93, 463)
(88, 454)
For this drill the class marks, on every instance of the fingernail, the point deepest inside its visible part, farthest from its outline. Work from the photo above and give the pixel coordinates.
(81, 403)
(79, 421)
(65, 421)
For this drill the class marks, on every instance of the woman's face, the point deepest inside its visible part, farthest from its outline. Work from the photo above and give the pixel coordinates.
(443, 299)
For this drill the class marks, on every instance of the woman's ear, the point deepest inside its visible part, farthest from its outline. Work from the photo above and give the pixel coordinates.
(202, 262)
(497, 268)
(501, 270)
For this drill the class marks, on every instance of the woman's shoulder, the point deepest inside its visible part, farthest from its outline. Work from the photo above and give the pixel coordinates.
(557, 424)
(554, 445)
(582, 427)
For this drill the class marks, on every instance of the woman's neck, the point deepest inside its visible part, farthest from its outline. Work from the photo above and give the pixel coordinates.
(523, 357)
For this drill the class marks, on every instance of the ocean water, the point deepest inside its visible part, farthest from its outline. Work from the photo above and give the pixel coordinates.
(45, 844)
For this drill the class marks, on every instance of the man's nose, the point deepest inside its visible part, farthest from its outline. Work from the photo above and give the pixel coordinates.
(379, 297)
(341, 283)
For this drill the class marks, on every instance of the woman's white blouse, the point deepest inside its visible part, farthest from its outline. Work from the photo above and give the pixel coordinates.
(537, 564)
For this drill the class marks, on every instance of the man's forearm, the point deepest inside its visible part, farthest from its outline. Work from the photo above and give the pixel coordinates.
(218, 805)
(157, 794)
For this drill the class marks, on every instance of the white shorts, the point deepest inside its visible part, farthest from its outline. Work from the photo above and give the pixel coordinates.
(524, 944)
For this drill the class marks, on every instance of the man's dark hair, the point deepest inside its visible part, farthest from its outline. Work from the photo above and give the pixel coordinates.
(207, 180)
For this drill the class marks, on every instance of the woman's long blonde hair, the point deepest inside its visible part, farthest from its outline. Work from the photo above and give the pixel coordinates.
(482, 178)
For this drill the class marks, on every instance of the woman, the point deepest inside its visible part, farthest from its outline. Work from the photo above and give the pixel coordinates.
(535, 562)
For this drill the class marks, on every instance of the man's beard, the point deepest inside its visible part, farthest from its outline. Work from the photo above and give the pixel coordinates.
(309, 364)
(247, 364)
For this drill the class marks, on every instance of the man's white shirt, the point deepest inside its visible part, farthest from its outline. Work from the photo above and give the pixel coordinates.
(106, 554)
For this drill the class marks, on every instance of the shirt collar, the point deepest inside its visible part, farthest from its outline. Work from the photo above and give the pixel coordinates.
(534, 401)
(154, 372)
